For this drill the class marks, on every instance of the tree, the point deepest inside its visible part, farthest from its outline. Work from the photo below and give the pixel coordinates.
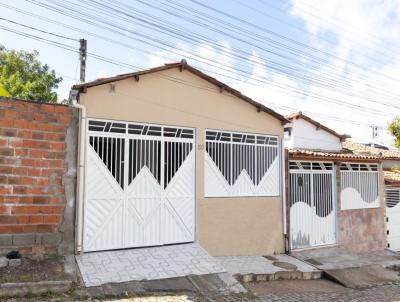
(394, 129)
(25, 77)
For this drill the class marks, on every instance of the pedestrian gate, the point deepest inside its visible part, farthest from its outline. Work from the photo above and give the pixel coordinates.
(312, 204)
(140, 184)
(392, 197)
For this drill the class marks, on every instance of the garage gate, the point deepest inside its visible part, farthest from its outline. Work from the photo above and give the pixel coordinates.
(312, 204)
(140, 185)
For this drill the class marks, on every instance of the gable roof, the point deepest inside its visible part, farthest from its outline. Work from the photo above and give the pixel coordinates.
(392, 177)
(183, 66)
(300, 115)
(367, 150)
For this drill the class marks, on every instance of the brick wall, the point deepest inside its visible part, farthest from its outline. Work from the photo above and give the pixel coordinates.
(34, 163)
(362, 230)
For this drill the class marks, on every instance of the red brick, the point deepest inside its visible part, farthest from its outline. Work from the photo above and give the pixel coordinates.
(51, 218)
(5, 190)
(36, 219)
(14, 180)
(11, 229)
(21, 152)
(24, 133)
(8, 132)
(28, 143)
(11, 114)
(6, 123)
(20, 171)
(57, 146)
(47, 108)
(62, 109)
(15, 142)
(8, 219)
(5, 151)
(5, 210)
(28, 180)
(45, 228)
(3, 142)
(41, 199)
(34, 172)
(22, 219)
(6, 170)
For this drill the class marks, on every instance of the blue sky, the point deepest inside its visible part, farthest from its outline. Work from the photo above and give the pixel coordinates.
(334, 60)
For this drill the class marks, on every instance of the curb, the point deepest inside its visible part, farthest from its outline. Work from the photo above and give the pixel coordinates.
(281, 275)
(24, 288)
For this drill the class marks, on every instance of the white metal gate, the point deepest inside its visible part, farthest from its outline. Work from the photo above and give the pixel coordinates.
(393, 217)
(140, 185)
(312, 204)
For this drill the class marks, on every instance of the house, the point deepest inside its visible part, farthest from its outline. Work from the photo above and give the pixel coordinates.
(391, 164)
(335, 196)
(172, 155)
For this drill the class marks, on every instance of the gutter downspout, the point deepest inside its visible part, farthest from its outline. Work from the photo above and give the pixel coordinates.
(81, 170)
(283, 190)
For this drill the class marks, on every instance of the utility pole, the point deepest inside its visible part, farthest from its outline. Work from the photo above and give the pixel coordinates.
(82, 59)
(374, 135)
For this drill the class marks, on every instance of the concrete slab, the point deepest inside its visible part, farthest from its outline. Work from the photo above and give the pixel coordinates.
(262, 265)
(336, 258)
(276, 267)
(153, 263)
(360, 277)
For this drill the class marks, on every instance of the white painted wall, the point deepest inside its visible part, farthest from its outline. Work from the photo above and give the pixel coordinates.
(305, 135)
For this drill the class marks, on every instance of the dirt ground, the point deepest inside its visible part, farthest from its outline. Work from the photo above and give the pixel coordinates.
(34, 270)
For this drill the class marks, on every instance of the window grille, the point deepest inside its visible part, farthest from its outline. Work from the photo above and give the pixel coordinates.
(246, 163)
(392, 196)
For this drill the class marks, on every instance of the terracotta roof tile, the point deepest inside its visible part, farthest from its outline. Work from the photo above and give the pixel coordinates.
(362, 149)
(392, 177)
(343, 155)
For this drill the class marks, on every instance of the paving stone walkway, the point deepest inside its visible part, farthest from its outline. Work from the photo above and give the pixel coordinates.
(146, 264)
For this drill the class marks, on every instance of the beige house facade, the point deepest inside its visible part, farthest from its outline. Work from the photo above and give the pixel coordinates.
(229, 139)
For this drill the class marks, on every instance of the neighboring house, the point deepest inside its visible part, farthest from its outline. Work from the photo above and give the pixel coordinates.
(172, 156)
(391, 164)
(334, 195)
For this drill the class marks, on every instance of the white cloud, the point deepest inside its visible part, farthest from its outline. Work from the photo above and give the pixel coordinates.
(363, 29)
(365, 32)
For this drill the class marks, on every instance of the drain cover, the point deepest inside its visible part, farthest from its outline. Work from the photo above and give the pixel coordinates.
(285, 265)
(313, 261)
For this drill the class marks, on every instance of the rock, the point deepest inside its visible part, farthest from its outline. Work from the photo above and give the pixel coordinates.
(14, 262)
(3, 261)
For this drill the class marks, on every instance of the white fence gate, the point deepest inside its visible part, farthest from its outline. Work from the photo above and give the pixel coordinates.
(312, 204)
(392, 197)
(140, 185)
(359, 186)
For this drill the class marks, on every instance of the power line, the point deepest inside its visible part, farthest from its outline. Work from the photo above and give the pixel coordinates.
(338, 102)
(108, 60)
(40, 30)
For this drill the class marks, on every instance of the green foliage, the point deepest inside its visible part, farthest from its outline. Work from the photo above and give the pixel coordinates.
(25, 77)
(394, 129)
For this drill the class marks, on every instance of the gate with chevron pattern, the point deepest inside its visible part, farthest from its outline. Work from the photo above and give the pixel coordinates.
(140, 185)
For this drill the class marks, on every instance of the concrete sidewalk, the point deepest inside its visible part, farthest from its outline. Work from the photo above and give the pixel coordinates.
(354, 270)
(336, 258)
(268, 268)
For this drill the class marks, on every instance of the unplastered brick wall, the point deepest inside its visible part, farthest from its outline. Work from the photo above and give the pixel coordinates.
(362, 230)
(37, 176)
